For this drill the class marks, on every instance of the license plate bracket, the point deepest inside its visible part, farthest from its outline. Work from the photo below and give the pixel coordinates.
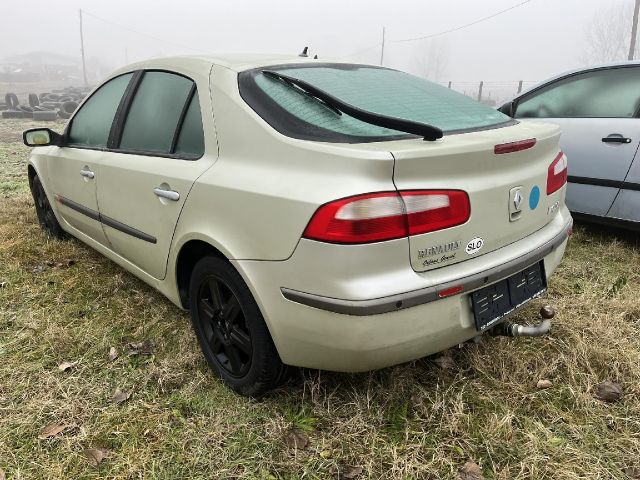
(493, 303)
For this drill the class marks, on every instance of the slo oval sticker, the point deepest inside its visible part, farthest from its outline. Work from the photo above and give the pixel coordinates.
(474, 246)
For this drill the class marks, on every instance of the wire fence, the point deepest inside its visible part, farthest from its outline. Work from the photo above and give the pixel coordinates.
(493, 93)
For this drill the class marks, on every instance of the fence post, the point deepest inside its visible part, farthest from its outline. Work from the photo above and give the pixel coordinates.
(519, 87)
(480, 91)
(449, 84)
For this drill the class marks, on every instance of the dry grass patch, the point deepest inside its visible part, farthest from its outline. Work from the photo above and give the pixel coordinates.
(417, 420)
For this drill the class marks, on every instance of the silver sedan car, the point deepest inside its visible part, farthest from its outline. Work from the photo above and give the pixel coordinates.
(598, 110)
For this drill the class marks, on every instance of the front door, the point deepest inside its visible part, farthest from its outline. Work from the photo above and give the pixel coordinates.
(74, 170)
(600, 153)
(146, 179)
(73, 174)
(598, 112)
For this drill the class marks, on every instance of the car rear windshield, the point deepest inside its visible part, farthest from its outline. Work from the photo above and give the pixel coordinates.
(379, 90)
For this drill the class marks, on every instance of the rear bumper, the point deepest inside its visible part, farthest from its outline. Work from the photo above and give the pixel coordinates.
(387, 323)
(401, 301)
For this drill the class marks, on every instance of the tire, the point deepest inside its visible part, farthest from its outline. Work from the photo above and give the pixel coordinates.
(13, 114)
(11, 99)
(231, 331)
(33, 100)
(46, 217)
(45, 115)
(69, 107)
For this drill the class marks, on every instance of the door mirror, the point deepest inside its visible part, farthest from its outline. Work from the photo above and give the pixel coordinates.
(41, 137)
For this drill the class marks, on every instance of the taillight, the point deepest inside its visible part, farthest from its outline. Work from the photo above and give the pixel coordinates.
(557, 174)
(376, 217)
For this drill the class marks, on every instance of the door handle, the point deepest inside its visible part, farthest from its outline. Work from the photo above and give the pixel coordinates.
(616, 139)
(87, 173)
(168, 194)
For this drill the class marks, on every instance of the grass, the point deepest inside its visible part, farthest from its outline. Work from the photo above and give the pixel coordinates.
(411, 421)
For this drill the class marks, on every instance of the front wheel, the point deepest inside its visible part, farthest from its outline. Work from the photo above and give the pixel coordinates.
(231, 330)
(46, 217)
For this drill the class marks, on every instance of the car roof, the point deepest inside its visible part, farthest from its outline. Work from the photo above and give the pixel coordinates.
(233, 61)
(626, 63)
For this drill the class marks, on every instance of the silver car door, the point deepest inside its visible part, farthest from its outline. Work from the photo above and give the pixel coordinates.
(626, 206)
(600, 152)
(600, 135)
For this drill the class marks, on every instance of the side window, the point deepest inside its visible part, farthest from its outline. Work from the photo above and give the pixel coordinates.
(612, 93)
(191, 138)
(155, 112)
(90, 127)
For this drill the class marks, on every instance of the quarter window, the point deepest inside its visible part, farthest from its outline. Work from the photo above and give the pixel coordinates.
(191, 138)
(612, 93)
(155, 113)
(90, 127)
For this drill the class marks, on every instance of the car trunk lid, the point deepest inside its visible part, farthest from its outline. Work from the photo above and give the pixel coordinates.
(507, 191)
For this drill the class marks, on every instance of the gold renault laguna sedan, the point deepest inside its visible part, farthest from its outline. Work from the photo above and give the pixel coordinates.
(309, 213)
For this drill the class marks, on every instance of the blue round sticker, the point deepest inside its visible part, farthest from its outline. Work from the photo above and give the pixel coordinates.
(534, 197)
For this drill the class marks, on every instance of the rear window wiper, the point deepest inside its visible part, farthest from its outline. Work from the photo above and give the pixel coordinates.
(428, 132)
(287, 81)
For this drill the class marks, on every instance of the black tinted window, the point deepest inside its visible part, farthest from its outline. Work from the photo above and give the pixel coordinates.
(155, 111)
(91, 125)
(612, 93)
(191, 139)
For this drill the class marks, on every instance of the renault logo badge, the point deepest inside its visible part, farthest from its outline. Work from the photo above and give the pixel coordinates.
(515, 203)
(517, 200)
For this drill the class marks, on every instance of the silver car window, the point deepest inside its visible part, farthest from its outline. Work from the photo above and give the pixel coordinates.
(607, 93)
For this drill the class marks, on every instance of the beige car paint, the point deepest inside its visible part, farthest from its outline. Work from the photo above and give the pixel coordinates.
(254, 192)
(65, 176)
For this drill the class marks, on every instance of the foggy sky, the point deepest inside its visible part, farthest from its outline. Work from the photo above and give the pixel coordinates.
(532, 42)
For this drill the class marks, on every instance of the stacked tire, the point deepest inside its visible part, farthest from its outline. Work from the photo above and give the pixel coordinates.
(43, 107)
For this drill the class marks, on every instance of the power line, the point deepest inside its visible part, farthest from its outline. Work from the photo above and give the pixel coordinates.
(423, 37)
(143, 33)
(475, 22)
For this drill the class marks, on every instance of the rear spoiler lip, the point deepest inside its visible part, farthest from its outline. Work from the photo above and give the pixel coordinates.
(393, 303)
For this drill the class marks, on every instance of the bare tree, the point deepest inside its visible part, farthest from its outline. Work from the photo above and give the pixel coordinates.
(432, 57)
(609, 33)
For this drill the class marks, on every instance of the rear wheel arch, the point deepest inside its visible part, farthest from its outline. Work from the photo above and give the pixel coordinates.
(190, 253)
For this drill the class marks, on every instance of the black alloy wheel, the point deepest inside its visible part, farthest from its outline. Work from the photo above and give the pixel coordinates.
(224, 325)
(232, 333)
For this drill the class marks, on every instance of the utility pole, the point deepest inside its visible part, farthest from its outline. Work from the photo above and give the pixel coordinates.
(634, 31)
(84, 66)
(382, 49)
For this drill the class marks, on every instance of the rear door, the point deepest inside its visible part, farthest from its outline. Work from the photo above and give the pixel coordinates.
(157, 156)
(597, 111)
(74, 170)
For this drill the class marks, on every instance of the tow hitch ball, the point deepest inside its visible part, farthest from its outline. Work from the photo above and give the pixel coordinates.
(510, 329)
